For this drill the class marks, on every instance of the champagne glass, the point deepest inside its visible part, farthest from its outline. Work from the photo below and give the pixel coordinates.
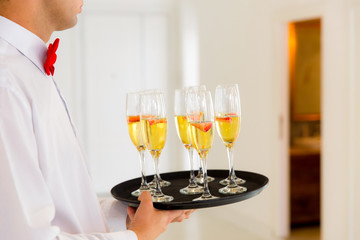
(200, 176)
(154, 128)
(200, 112)
(183, 130)
(152, 183)
(228, 122)
(134, 127)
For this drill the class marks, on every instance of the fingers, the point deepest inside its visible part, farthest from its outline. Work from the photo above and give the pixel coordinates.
(128, 222)
(174, 214)
(146, 205)
(191, 211)
(131, 212)
(188, 213)
(178, 219)
(179, 216)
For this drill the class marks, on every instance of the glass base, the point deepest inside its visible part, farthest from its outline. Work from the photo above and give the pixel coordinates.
(238, 181)
(162, 198)
(230, 190)
(192, 190)
(205, 197)
(163, 183)
(200, 179)
(138, 192)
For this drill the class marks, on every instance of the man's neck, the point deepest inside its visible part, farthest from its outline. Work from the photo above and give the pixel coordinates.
(25, 17)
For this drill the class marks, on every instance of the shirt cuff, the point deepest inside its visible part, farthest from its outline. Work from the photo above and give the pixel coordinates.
(128, 235)
(115, 213)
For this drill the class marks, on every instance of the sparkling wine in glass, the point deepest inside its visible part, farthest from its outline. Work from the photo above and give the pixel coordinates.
(200, 112)
(228, 122)
(134, 127)
(154, 128)
(183, 131)
(152, 183)
(200, 175)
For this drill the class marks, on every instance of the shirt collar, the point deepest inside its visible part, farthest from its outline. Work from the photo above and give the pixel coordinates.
(30, 45)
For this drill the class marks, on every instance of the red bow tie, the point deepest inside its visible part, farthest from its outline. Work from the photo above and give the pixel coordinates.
(51, 58)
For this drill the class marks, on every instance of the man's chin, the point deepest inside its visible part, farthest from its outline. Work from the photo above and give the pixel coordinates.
(69, 24)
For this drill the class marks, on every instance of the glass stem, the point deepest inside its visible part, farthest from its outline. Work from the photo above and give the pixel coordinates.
(158, 191)
(192, 180)
(157, 169)
(231, 166)
(201, 171)
(206, 193)
(144, 183)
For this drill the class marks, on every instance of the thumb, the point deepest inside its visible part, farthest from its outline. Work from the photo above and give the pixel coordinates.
(146, 202)
(145, 196)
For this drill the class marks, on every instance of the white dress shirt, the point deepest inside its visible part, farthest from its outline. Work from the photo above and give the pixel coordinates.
(45, 189)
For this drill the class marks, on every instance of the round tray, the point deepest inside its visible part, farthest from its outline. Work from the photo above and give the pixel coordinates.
(255, 183)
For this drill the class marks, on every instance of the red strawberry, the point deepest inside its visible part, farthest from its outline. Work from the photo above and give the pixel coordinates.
(205, 126)
(155, 121)
(131, 119)
(224, 119)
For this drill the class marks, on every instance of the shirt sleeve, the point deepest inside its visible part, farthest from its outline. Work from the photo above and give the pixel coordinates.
(115, 213)
(122, 235)
(26, 206)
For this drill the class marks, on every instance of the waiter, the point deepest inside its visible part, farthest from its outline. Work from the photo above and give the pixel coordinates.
(45, 188)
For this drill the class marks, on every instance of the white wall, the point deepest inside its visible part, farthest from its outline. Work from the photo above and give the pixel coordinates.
(117, 47)
(354, 120)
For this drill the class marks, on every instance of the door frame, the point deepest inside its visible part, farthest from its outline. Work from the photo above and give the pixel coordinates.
(281, 19)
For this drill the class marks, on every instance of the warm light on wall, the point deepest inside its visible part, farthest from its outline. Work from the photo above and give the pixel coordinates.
(292, 53)
(304, 46)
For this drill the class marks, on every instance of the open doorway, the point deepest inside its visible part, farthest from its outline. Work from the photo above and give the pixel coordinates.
(305, 124)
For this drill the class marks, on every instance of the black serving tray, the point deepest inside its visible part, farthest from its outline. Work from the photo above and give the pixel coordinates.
(255, 183)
